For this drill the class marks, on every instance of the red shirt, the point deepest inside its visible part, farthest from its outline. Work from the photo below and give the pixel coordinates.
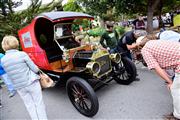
(165, 54)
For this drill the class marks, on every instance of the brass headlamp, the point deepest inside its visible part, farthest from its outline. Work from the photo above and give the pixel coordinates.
(116, 57)
(93, 67)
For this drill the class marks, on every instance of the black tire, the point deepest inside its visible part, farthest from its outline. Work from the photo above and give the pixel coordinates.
(128, 72)
(80, 93)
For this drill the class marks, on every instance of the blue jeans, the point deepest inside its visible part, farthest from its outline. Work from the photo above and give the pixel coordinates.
(7, 82)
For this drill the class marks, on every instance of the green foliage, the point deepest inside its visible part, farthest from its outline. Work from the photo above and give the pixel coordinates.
(113, 8)
(128, 7)
(131, 6)
(110, 9)
(6, 6)
(14, 21)
(85, 23)
(169, 4)
(75, 27)
(96, 32)
(72, 5)
(99, 31)
(120, 30)
(37, 8)
(97, 7)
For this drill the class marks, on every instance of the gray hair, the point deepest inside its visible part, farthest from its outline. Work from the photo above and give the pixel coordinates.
(139, 33)
(9, 42)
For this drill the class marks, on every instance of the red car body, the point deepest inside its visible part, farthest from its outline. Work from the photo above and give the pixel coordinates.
(30, 43)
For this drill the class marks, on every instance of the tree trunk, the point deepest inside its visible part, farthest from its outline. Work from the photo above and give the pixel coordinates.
(160, 6)
(152, 5)
(150, 18)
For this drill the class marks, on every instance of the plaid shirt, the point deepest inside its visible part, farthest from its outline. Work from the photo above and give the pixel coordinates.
(165, 54)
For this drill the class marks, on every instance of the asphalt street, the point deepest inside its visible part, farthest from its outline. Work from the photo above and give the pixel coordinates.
(144, 99)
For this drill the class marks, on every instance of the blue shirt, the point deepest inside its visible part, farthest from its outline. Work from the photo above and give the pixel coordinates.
(2, 71)
(20, 68)
(169, 35)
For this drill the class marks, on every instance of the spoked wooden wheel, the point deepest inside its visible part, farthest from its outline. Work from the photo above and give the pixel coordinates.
(126, 71)
(82, 96)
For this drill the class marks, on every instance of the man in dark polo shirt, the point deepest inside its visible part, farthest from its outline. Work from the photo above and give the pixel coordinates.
(128, 42)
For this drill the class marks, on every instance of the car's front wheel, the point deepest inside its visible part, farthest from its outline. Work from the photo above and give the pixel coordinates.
(126, 71)
(82, 96)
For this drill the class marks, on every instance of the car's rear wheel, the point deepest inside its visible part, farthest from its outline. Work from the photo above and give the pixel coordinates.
(82, 96)
(126, 70)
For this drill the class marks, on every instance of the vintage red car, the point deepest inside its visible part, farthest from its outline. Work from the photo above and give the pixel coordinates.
(51, 44)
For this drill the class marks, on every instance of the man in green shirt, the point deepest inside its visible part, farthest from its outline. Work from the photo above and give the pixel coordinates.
(109, 38)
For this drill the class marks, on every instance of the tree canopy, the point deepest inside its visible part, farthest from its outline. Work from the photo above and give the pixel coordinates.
(128, 7)
(72, 5)
(97, 7)
(11, 21)
(6, 6)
